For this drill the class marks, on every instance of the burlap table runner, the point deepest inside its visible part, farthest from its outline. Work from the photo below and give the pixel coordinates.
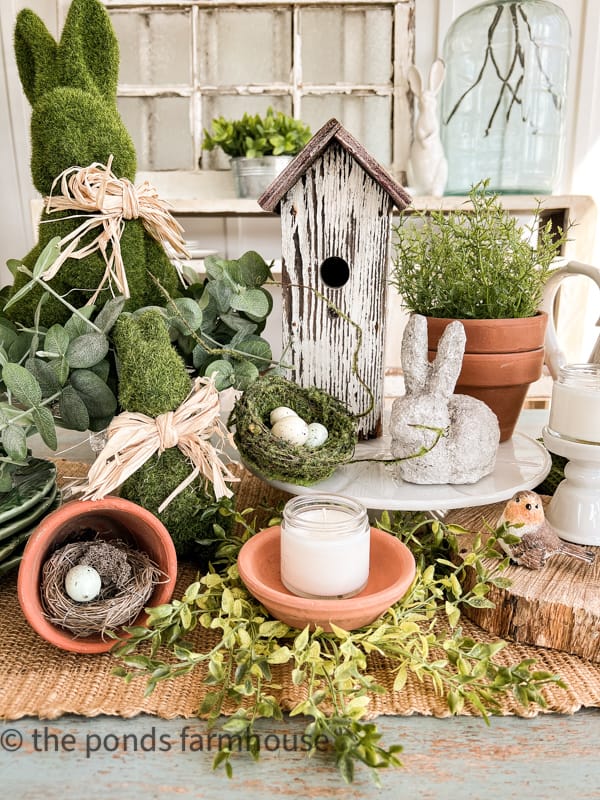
(36, 679)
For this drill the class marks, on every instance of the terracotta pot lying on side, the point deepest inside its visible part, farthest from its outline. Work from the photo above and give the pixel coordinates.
(120, 519)
(502, 358)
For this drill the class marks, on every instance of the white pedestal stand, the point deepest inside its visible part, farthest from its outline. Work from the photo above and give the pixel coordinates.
(574, 511)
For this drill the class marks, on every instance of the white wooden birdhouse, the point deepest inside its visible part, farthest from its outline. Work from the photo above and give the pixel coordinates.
(335, 203)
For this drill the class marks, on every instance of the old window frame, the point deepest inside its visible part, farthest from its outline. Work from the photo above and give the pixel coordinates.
(402, 46)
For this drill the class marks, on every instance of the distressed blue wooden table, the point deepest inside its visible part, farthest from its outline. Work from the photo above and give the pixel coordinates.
(547, 757)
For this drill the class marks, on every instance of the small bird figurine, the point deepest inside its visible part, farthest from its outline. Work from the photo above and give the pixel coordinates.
(537, 541)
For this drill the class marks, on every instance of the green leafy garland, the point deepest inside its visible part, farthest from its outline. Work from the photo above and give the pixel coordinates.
(334, 667)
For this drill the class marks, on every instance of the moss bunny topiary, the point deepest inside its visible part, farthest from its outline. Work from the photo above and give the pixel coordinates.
(72, 88)
(152, 381)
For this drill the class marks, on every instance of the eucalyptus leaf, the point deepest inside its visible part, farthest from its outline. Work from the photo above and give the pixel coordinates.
(200, 358)
(110, 314)
(20, 347)
(61, 369)
(76, 326)
(214, 267)
(87, 350)
(45, 376)
(5, 477)
(47, 257)
(245, 373)
(98, 398)
(249, 270)
(222, 296)
(24, 290)
(238, 324)
(44, 422)
(14, 442)
(252, 302)
(190, 311)
(222, 372)
(257, 349)
(21, 383)
(102, 369)
(8, 333)
(57, 340)
(73, 411)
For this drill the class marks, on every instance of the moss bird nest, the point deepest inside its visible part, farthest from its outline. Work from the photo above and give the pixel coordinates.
(276, 459)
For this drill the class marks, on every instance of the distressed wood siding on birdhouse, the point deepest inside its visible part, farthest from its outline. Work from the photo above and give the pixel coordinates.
(336, 210)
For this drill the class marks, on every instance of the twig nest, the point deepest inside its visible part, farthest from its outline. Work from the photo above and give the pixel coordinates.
(277, 458)
(90, 587)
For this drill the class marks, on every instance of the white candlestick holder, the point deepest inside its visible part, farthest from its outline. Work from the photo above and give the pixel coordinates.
(574, 511)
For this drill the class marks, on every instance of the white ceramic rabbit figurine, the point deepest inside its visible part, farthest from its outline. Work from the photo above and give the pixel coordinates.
(427, 166)
(468, 449)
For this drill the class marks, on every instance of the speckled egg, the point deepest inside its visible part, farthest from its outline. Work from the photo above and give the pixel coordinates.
(317, 435)
(82, 583)
(291, 429)
(281, 412)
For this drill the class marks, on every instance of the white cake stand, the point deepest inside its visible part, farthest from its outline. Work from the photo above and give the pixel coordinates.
(574, 511)
(521, 463)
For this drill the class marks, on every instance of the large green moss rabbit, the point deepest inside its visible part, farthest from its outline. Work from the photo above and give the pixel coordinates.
(72, 88)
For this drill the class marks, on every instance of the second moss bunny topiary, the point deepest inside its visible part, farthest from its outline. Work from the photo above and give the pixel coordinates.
(72, 87)
(152, 381)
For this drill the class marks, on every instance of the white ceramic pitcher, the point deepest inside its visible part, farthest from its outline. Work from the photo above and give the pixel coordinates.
(555, 357)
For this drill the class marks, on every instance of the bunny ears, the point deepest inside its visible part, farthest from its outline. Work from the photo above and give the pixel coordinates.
(87, 56)
(436, 78)
(439, 377)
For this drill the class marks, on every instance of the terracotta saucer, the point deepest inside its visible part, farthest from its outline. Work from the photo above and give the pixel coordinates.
(391, 573)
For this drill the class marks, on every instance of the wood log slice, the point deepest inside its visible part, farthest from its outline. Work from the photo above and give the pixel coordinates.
(557, 606)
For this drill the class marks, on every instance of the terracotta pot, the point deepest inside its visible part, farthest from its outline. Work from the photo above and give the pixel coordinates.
(502, 358)
(121, 519)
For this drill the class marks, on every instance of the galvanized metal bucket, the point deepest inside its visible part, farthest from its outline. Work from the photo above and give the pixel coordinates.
(252, 175)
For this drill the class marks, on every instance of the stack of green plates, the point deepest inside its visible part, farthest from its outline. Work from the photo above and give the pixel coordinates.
(33, 495)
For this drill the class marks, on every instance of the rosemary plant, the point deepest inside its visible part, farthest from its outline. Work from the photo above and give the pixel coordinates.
(419, 635)
(475, 262)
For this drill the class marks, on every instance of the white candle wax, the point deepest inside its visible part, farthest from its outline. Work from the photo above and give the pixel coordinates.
(325, 551)
(575, 405)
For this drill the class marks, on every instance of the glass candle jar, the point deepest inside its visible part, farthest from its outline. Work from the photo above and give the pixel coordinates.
(575, 404)
(325, 546)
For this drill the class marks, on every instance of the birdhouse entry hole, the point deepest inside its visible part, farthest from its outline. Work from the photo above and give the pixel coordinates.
(335, 272)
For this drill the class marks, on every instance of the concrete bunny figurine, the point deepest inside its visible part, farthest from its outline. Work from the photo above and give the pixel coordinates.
(466, 451)
(72, 88)
(427, 166)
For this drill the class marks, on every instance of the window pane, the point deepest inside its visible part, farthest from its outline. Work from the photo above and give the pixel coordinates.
(351, 46)
(244, 46)
(154, 47)
(160, 129)
(367, 118)
(234, 107)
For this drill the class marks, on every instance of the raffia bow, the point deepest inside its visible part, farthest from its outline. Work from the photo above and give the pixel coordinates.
(110, 202)
(134, 438)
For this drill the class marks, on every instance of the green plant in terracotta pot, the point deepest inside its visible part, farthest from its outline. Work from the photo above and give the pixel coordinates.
(477, 264)
(259, 146)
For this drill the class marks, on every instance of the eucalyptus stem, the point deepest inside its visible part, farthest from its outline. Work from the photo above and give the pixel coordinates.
(27, 411)
(46, 286)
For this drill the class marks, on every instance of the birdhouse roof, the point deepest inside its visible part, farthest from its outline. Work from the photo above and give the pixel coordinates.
(332, 131)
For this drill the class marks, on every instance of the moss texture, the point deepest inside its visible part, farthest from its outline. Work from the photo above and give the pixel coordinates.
(273, 457)
(72, 90)
(152, 381)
